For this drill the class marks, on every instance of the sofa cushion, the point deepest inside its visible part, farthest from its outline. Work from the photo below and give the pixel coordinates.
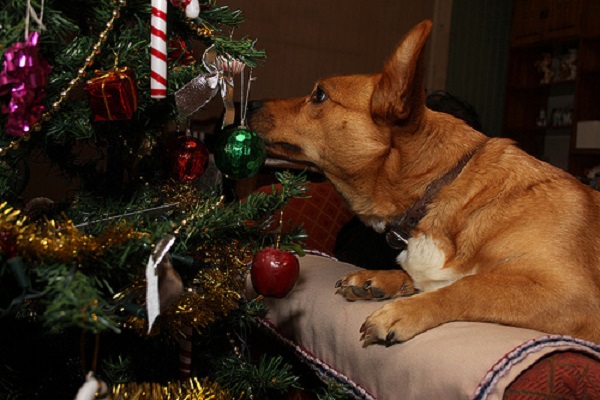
(457, 360)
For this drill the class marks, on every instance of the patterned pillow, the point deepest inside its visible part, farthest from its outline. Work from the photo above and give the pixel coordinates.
(322, 214)
(566, 375)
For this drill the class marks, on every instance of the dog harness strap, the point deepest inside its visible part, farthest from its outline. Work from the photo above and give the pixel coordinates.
(398, 232)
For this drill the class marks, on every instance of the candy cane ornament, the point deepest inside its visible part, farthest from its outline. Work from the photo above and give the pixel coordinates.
(185, 352)
(158, 50)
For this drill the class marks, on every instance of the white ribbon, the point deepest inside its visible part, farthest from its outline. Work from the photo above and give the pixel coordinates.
(200, 90)
(92, 389)
(152, 296)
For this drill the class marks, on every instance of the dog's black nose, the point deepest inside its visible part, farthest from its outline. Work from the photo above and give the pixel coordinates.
(254, 105)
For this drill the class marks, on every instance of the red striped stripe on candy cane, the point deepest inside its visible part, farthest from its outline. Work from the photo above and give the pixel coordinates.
(158, 50)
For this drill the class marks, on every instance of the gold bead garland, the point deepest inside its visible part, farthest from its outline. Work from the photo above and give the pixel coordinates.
(12, 145)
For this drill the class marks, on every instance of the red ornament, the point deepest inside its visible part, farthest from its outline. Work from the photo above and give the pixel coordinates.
(178, 51)
(274, 272)
(113, 95)
(188, 158)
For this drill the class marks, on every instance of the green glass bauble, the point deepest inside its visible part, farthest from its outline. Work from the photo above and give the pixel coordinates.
(239, 153)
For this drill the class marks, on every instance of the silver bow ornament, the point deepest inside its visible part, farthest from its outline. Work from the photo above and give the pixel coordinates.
(199, 91)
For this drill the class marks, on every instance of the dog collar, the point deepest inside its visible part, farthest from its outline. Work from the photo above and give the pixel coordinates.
(399, 231)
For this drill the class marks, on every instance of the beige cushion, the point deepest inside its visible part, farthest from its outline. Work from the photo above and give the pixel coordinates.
(457, 360)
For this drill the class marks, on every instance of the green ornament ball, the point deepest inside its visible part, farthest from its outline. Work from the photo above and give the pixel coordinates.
(239, 153)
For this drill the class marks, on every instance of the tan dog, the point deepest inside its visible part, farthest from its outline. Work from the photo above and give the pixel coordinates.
(493, 234)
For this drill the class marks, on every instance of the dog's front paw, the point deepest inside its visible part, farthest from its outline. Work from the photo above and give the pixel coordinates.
(375, 285)
(395, 322)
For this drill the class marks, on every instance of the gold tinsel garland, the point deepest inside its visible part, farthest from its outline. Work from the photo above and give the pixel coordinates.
(192, 389)
(60, 241)
(213, 293)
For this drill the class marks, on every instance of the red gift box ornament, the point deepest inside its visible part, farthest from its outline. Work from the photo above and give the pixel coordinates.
(113, 95)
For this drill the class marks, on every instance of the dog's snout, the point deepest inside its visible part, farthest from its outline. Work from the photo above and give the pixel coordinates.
(259, 117)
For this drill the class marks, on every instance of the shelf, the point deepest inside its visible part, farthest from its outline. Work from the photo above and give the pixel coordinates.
(552, 88)
(554, 40)
(589, 72)
(545, 130)
(586, 151)
(559, 130)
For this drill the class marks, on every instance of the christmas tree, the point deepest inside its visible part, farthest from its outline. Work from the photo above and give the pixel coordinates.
(143, 267)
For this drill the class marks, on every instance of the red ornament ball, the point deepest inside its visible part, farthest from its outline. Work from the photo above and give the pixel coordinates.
(187, 158)
(274, 272)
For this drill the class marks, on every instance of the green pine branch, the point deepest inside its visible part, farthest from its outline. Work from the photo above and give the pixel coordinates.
(217, 16)
(72, 300)
(268, 376)
(242, 49)
(60, 292)
(333, 390)
(80, 293)
(247, 220)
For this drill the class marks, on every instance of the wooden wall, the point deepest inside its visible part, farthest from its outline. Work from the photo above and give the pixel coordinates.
(311, 39)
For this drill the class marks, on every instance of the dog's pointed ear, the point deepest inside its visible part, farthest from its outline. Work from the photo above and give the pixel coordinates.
(401, 87)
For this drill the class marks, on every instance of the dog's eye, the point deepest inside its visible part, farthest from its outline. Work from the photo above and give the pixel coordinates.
(318, 96)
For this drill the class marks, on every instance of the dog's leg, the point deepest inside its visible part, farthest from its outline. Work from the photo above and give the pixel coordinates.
(509, 300)
(375, 285)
